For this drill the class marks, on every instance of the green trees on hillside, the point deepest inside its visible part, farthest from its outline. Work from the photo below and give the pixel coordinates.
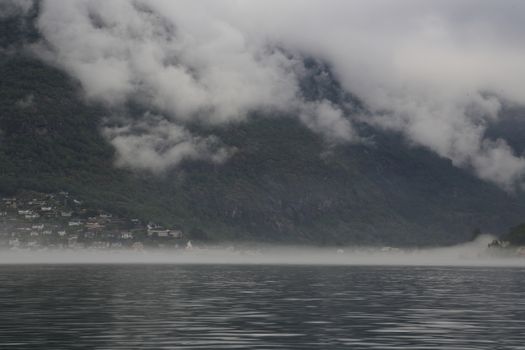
(516, 235)
(284, 184)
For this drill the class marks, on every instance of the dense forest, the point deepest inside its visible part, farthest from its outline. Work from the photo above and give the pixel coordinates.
(284, 183)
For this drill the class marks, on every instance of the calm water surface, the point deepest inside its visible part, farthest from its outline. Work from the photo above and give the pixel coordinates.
(260, 307)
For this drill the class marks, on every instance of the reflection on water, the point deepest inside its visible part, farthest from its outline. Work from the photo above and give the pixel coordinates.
(260, 307)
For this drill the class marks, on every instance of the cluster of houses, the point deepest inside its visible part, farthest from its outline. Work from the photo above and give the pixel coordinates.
(33, 220)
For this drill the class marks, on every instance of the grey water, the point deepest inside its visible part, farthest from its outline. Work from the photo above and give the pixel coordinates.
(260, 307)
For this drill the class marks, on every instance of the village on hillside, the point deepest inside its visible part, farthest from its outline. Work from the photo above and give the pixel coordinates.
(33, 220)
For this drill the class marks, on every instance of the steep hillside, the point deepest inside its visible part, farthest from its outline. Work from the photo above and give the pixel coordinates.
(284, 184)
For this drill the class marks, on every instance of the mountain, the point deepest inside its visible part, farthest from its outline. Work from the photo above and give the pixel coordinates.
(284, 183)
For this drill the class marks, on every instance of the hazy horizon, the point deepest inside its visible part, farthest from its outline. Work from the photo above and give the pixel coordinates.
(475, 253)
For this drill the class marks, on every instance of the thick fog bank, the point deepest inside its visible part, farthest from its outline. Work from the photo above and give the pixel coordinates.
(470, 254)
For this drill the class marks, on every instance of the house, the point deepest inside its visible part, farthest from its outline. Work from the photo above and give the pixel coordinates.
(93, 225)
(165, 233)
(176, 234)
(72, 240)
(9, 202)
(100, 245)
(74, 223)
(50, 214)
(126, 235)
(160, 232)
(65, 214)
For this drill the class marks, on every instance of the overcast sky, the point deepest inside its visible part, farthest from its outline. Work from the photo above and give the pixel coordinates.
(434, 71)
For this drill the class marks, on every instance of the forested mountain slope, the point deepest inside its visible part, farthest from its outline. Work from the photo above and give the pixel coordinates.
(283, 184)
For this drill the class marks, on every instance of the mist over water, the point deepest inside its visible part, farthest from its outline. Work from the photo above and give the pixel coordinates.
(475, 253)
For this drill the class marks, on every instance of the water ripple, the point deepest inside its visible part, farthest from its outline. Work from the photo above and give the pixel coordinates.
(260, 307)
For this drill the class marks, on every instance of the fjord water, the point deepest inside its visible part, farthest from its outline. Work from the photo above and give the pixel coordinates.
(260, 307)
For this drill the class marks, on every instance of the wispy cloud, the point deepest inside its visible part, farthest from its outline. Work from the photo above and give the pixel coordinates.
(155, 144)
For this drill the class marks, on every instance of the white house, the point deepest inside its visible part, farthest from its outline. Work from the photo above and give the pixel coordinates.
(126, 235)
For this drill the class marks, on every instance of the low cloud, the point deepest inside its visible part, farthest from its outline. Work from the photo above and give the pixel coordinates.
(155, 144)
(455, 129)
(327, 119)
(433, 71)
(188, 68)
(126, 49)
